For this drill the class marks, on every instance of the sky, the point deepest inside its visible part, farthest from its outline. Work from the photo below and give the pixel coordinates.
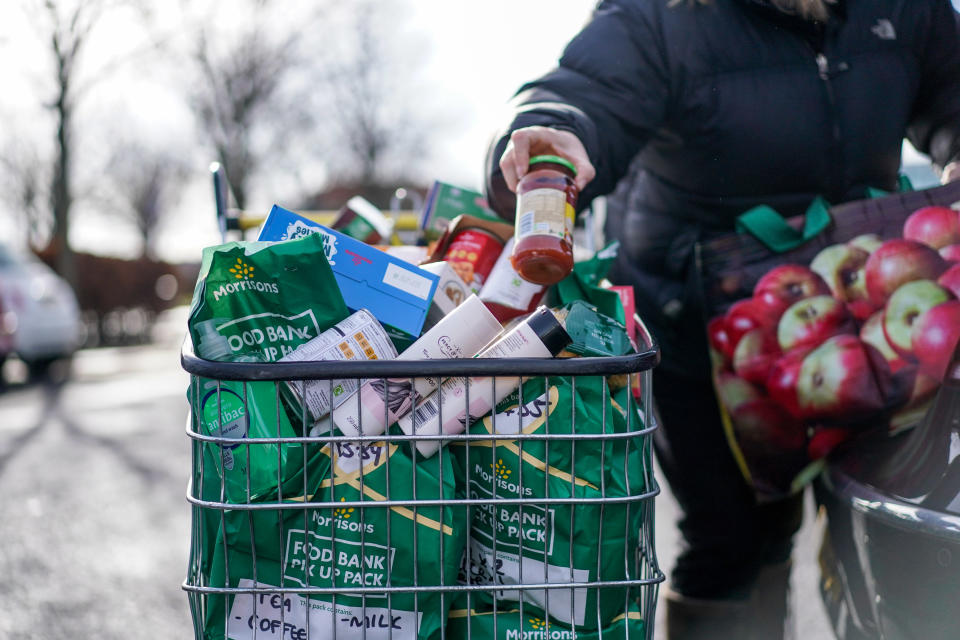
(474, 55)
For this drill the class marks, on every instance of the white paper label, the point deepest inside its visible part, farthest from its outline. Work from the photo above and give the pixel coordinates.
(407, 281)
(507, 569)
(284, 617)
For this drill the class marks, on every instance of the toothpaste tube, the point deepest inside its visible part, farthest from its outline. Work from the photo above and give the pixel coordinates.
(358, 337)
(378, 402)
(539, 336)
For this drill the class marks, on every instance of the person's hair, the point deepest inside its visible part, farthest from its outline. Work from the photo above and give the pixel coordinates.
(808, 9)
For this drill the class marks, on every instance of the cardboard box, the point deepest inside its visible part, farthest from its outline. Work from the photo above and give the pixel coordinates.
(397, 293)
(499, 228)
(445, 202)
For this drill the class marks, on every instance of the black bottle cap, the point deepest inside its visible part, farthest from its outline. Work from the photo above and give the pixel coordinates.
(551, 333)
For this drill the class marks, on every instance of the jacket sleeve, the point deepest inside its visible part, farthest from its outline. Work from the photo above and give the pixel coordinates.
(935, 122)
(610, 89)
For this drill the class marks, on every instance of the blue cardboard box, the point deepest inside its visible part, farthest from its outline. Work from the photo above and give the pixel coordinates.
(397, 293)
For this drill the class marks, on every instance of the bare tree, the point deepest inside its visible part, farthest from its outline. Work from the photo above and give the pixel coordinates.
(24, 186)
(380, 124)
(145, 184)
(65, 28)
(245, 98)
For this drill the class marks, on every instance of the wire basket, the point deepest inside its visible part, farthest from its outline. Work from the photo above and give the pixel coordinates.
(535, 522)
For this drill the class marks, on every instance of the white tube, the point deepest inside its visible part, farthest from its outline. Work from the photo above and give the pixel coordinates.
(540, 336)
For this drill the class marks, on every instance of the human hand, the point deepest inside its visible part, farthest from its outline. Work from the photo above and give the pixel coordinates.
(950, 172)
(534, 141)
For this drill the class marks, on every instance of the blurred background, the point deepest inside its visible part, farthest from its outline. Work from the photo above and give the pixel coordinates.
(112, 111)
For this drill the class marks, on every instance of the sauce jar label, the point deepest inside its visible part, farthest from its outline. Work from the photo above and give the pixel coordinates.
(544, 212)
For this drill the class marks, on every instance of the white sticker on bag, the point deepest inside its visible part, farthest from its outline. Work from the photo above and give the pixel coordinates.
(284, 617)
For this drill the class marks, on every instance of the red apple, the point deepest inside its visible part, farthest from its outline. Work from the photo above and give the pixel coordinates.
(869, 242)
(719, 339)
(783, 285)
(782, 381)
(809, 322)
(905, 306)
(842, 378)
(951, 253)
(936, 227)
(733, 391)
(872, 333)
(755, 354)
(897, 262)
(826, 439)
(763, 425)
(934, 336)
(950, 280)
(746, 315)
(842, 268)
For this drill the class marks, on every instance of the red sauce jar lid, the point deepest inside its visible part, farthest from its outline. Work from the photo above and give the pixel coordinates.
(555, 160)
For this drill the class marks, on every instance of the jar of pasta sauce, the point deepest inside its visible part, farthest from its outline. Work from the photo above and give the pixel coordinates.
(546, 201)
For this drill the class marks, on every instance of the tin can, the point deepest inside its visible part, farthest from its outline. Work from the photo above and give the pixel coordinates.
(358, 337)
(472, 254)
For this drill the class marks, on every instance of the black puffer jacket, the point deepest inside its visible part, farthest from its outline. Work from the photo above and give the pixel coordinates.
(724, 106)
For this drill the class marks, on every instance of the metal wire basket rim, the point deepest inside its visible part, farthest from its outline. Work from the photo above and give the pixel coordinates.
(442, 368)
(448, 437)
(418, 503)
(458, 588)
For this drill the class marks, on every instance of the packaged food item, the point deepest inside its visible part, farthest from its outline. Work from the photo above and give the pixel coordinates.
(592, 333)
(501, 232)
(461, 334)
(445, 202)
(361, 219)
(505, 293)
(451, 284)
(546, 202)
(359, 337)
(539, 336)
(365, 545)
(472, 252)
(272, 297)
(579, 541)
(397, 293)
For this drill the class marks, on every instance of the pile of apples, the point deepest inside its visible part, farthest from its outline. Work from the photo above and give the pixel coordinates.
(861, 336)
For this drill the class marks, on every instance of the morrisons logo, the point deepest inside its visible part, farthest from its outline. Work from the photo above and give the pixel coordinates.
(243, 273)
(244, 285)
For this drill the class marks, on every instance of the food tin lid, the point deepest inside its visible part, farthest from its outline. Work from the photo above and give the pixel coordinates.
(551, 333)
(555, 160)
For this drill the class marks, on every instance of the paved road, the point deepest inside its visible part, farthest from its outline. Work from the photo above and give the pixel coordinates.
(93, 521)
(94, 527)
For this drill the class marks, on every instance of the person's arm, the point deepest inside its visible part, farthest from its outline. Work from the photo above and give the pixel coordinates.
(935, 123)
(610, 91)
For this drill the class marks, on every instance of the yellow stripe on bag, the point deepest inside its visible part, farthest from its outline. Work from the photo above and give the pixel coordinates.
(370, 493)
(529, 458)
(633, 615)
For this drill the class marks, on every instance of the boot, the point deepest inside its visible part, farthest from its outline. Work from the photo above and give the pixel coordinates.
(761, 616)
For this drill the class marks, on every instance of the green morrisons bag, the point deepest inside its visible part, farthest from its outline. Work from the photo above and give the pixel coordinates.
(584, 284)
(257, 301)
(557, 542)
(517, 625)
(344, 547)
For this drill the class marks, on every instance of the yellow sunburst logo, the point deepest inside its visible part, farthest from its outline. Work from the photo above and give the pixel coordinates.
(241, 270)
(537, 624)
(501, 470)
(343, 512)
